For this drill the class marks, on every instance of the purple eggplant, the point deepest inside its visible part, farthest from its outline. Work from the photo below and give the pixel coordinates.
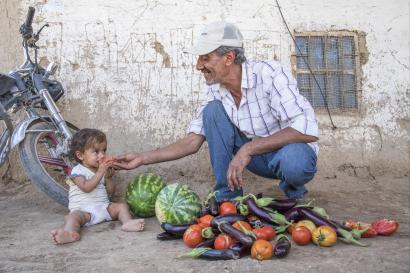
(207, 243)
(240, 236)
(239, 248)
(213, 206)
(229, 218)
(215, 254)
(260, 223)
(165, 236)
(270, 217)
(282, 247)
(293, 215)
(178, 229)
(282, 205)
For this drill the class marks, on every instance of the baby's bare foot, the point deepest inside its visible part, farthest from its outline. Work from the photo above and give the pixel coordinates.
(133, 225)
(61, 236)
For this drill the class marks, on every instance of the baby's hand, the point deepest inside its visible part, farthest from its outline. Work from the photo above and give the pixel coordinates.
(105, 163)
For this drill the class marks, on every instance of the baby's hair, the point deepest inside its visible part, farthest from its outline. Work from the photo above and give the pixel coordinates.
(84, 139)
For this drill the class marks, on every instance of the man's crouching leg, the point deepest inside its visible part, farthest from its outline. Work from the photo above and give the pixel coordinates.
(224, 139)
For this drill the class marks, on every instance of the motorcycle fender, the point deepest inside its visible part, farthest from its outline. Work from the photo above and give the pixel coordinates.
(19, 132)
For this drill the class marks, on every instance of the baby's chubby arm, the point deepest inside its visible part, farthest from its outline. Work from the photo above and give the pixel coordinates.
(90, 184)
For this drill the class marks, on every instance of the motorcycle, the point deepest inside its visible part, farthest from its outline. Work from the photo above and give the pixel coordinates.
(43, 136)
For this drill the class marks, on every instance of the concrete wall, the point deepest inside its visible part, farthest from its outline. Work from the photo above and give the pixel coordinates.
(124, 70)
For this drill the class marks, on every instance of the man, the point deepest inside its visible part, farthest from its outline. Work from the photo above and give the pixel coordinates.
(253, 117)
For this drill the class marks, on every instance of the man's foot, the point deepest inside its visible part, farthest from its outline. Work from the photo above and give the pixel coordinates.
(61, 236)
(133, 225)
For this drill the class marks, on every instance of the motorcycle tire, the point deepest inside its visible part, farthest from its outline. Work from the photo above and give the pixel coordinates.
(39, 145)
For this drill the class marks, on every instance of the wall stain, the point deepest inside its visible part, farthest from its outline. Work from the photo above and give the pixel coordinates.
(159, 48)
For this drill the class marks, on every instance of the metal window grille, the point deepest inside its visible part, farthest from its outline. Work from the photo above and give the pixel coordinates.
(332, 59)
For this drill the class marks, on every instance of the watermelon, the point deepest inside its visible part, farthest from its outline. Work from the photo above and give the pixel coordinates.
(142, 193)
(177, 204)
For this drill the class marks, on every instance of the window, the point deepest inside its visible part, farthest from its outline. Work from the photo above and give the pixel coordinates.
(333, 59)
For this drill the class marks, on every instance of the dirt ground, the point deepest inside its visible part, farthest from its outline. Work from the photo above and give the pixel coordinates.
(27, 216)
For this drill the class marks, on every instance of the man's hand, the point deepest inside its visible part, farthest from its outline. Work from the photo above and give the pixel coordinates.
(128, 161)
(236, 167)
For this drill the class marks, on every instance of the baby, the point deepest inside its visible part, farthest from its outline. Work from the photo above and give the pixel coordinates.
(89, 202)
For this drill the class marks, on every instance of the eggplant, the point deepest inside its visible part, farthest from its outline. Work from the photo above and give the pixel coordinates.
(178, 229)
(207, 243)
(282, 247)
(293, 215)
(317, 219)
(339, 225)
(213, 206)
(270, 217)
(229, 218)
(240, 236)
(215, 254)
(239, 248)
(283, 205)
(165, 236)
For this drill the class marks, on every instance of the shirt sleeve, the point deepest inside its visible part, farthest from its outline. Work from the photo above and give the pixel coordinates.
(292, 109)
(196, 125)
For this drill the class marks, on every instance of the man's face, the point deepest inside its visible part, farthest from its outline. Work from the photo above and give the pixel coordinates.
(213, 67)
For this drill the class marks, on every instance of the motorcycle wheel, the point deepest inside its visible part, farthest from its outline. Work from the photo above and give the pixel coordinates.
(43, 166)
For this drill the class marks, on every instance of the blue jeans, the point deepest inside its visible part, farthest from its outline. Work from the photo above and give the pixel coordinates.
(293, 164)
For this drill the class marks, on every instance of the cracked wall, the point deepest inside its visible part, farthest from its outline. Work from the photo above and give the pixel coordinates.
(125, 72)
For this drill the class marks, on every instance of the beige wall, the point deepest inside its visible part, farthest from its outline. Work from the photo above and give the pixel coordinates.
(125, 73)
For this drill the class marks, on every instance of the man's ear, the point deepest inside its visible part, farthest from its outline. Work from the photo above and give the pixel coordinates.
(230, 57)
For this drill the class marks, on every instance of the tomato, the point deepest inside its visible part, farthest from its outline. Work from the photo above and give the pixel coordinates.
(324, 236)
(265, 233)
(227, 208)
(371, 232)
(223, 242)
(262, 250)
(306, 223)
(205, 221)
(192, 237)
(385, 227)
(301, 235)
(244, 225)
(196, 227)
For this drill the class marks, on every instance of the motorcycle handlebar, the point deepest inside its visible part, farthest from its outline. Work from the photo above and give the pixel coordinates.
(30, 16)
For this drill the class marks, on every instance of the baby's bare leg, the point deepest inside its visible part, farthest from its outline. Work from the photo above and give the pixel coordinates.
(121, 212)
(70, 232)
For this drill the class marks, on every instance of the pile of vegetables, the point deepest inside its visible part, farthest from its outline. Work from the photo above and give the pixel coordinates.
(257, 225)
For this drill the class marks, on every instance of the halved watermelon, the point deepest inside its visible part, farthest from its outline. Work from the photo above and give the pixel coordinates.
(177, 204)
(142, 193)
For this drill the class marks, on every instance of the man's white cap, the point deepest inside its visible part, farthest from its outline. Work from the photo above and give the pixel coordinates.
(214, 35)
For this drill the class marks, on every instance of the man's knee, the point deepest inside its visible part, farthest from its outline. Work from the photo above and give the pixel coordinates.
(212, 109)
(298, 166)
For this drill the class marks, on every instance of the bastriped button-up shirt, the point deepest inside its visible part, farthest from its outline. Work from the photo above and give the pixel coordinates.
(270, 102)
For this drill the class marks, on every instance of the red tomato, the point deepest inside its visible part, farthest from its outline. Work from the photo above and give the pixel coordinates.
(192, 237)
(227, 208)
(244, 224)
(264, 233)
(205, 220)
(371, 232)
(223, 242)
(385, 227)
(301, 235)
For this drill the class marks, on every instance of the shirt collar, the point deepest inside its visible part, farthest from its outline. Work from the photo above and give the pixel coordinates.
(248, 77)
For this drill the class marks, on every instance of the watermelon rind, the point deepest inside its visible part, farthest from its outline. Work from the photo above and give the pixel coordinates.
(177, 204)
(142, 193)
